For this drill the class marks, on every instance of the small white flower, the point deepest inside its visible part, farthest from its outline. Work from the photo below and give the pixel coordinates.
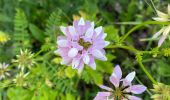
(162, 17)
(4, 71)
(20, 79)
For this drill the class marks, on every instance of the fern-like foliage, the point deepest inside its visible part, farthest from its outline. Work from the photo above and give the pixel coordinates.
(53, 23)
(21, 36)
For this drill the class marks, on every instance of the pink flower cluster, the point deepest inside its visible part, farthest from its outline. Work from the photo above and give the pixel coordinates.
(82, 44)
(123, 88)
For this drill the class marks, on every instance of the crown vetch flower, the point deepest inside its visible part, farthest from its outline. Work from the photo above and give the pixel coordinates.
(4, 71)
(123, 88)
(162, 17)
(81, 44)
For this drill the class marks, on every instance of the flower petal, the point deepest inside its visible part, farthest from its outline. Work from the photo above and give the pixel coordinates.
(81, 22)
(117, 71)
(106, 88)
(98, 30)
(99, 55)
(168, 9)
(65, 61)
(160, 19)
(161, 14)
(114, 80)
(102, 96)
(128, 79)
(89, 33)
(158, 33)
(80, 67)
(133, 98)
(161, 40)
(72, 52)
(72, 30)
(86, 59)
(63, 29)
(136, 89)
(104, 36)
(75, 63)
(107, 43)
(62, 43)
(92, 64)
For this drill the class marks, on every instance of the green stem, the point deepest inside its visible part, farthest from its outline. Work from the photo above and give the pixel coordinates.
(140, 25)
(146, 72)
(123, 47)
(38, 53)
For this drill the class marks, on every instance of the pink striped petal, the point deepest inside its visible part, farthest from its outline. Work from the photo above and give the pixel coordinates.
(114, 80)
(136, 89)
(102, 96)
(106, 88)
(133, 98)
(118, 72)
(128, 79)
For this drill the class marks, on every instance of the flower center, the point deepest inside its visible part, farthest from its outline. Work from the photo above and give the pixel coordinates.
(118, 94)
(86, 45)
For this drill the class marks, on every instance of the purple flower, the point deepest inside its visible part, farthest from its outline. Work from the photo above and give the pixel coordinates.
(82, 44)
(123, 88)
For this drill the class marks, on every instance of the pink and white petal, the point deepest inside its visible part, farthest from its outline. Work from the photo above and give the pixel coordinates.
(136, 89)
(102, 96)
(128, 79)
(72, 30)
(66, 61)
(63, 52)
(114, 80)
(158, 33)
(99, 55)
(75, 63)
(107, 43)
(98, 30)
(86, 59)
(63, 29)
(161, 40)
(89, 33)
(92, 63)
(105, 87)
(80, 67)
(92, 25)
(133, 98)
(104, 36)
(62, 43)
(117, 71)
(72, 52)
(81, 21)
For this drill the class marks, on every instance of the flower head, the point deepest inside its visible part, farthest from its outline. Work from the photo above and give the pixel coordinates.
(161, 92)
(25, 59)
(122, 87)
(81, 44)
(4, 71)
(162, 17)
(20, 79)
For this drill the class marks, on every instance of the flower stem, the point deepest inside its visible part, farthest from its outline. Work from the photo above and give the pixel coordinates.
(146, 72)
(140, 25)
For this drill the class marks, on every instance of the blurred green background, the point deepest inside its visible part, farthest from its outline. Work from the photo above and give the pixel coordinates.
(34, 25)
